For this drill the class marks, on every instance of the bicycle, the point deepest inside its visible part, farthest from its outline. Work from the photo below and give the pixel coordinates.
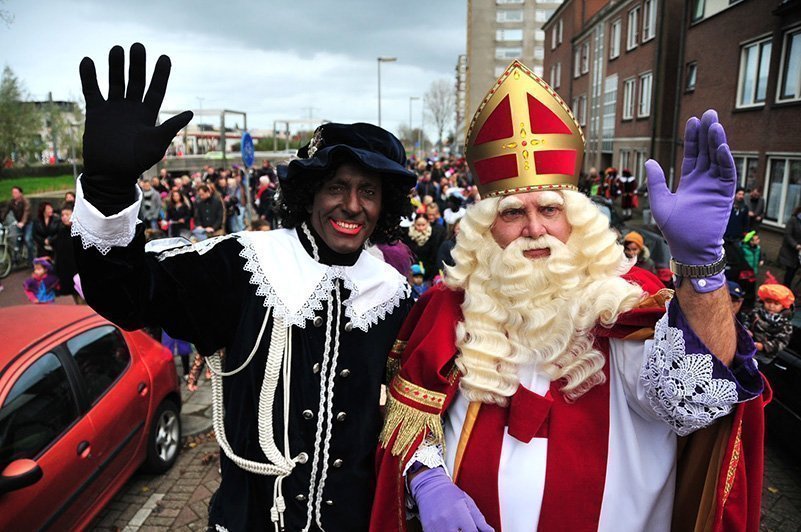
(13, 254)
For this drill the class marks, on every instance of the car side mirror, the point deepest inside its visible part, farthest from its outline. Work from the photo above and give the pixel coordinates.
(19, 474)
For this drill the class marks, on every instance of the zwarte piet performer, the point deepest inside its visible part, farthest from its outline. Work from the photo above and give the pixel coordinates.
(305, 316)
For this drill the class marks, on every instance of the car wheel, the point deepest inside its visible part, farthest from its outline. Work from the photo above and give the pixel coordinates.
(164, 440)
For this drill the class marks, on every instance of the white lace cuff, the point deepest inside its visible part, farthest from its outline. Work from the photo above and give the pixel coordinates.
(680, 386)
(103, 232)
(428, 454)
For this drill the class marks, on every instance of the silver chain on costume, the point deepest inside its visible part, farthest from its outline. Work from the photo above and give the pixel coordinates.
(315, 250)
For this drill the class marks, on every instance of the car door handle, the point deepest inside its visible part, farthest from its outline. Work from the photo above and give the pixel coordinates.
(84, 448)
(142, 389)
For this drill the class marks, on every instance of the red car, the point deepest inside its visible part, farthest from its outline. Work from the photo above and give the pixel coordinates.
(83, 404)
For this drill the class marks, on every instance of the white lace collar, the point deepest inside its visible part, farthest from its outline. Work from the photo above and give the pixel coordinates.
(294, 284)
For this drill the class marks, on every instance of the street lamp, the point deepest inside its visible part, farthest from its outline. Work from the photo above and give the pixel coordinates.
(382, 60)
(411, 129)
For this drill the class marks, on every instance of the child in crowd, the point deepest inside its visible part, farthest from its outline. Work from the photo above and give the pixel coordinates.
(769, 322)
(178, 348)
(752, 251)
(736, 293)
(41, 286)
(419, 286)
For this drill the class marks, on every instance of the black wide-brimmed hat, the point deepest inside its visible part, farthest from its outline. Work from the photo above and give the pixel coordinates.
(369, 146)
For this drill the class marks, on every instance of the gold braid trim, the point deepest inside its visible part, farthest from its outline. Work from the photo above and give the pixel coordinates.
(394, 360)
(408, 421)
(735, 459)
(393, 367)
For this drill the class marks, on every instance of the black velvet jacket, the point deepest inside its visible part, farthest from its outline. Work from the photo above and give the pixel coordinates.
(215, 295)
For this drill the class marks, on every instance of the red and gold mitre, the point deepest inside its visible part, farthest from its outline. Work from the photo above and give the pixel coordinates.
(523, 137)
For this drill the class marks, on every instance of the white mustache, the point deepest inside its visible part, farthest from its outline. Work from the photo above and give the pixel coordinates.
(525, 243)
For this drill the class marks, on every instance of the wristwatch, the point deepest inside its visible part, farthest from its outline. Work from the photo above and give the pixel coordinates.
(699, 271)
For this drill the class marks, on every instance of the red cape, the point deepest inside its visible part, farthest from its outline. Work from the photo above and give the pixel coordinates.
(424, 386)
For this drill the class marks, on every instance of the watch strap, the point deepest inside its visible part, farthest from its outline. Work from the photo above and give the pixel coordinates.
(699, 271)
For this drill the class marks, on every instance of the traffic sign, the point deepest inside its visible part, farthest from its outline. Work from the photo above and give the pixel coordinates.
(248, 152)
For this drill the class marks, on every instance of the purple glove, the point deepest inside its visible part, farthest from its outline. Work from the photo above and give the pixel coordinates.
(694, 219)
(443, 506)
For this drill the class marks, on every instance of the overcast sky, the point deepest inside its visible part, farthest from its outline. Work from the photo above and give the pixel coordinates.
(271, 59)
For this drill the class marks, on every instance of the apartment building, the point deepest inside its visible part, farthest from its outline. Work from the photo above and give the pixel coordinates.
(744, 60)
(620, 58)
(498, 32)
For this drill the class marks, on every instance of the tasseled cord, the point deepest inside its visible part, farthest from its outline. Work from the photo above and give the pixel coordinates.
(279, 359)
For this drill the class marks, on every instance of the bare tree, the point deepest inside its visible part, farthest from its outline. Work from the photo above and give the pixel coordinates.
(440, 102)
(6, 15)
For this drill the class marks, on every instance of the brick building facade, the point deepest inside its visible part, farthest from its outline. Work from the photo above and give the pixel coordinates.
(621, 80)
(744, 60)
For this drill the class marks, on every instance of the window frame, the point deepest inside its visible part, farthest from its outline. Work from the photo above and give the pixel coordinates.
(783, 67)
(500, 35)
(75, 391)
(643, 99)
(648, 20)
(690, 72)
(743, 67)
(507, 50)
(633, 29)
(585, 57)
(501, 16)
(556, 75)
(84, 386)
(629, 98)
(771, 159)
(577, 62)
(615, 31)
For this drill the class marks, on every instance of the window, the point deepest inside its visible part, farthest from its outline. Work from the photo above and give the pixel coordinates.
(754, 65)
(648, 20)
(556, 75)
(39, 407)
(509, 15)
(556, 34)
(585, 57)
(698, 10)
(624, 159)
(691, 76)
(101, 355)
(628, 98)
(539, 35)
(501, 2)
(508, 52)
(539, 53)
(540, 15)
(499, 70)
(790, 76)
(634, 16)
(582, 110)
(614, 39)
(576, 62)
(746, 167)
(538, 70)
(783, 189)
(509, 35)
(646, 81)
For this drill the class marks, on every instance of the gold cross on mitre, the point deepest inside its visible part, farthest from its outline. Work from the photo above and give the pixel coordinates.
(523, 137)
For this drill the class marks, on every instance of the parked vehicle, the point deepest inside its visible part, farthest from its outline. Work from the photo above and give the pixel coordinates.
(83, 405)
(784, 373)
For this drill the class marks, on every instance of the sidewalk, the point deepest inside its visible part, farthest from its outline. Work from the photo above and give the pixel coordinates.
(196, 409)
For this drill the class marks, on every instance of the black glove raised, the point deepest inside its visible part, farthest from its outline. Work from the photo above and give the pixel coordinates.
(121, 139)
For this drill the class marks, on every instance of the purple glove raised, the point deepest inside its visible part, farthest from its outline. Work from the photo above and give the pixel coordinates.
(694, 219)
(443, 506)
